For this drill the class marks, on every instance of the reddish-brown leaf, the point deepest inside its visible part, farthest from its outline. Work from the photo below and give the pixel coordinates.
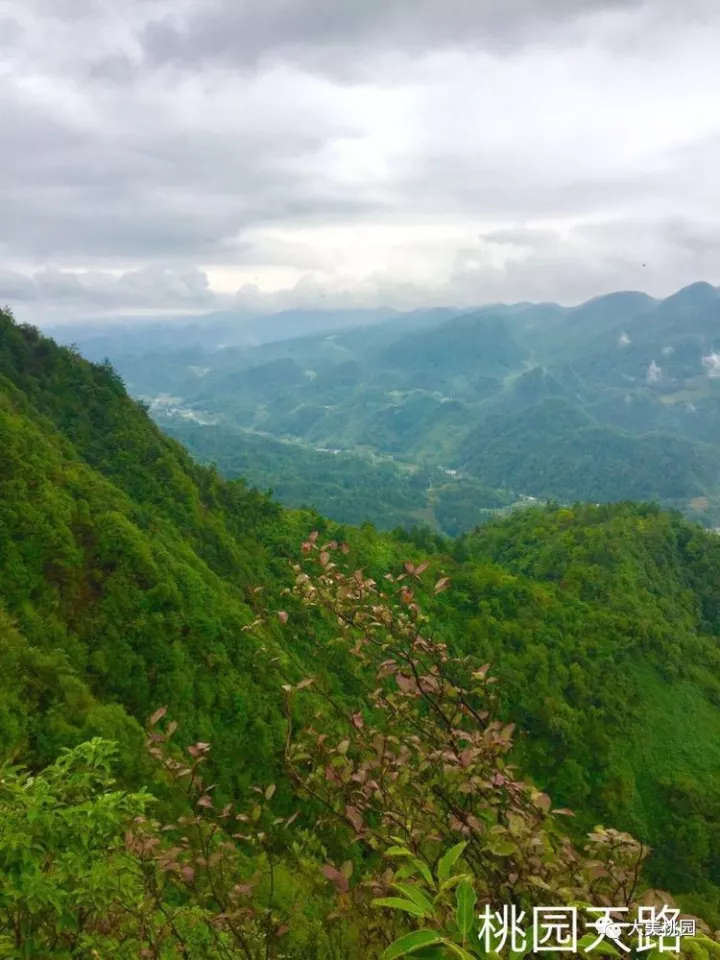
(353, 815)
(406, 596)
(336, 877)
(405, 683)
(158, 715)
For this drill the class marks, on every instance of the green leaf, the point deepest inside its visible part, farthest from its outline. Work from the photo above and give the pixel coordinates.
(460, 951)
(422, 867)
(416, 895)
(518, 954)
(406, 871)
(410, 943)
(603, 948)
(425, 871)
(397, 903)
(466, 899)
(452, 882)
(447, 861)
(502, 848)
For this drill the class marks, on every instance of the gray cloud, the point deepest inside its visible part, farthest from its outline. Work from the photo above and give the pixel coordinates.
(152, 182)
(519, 236)
(153, 287)
(58, 285)
(10, 32)
(160, 154)
(542, 265)
(323, 33)
(16, 287)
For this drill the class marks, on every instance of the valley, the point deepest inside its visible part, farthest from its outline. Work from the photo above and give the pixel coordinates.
(615, 399)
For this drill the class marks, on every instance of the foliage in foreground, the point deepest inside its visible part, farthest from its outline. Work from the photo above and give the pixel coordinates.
(410, 809)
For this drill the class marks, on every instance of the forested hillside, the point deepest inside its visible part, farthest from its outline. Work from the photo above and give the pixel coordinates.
(132, 578)
(351, 487)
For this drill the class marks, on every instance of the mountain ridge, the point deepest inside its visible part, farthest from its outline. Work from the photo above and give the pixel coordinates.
(420, 388)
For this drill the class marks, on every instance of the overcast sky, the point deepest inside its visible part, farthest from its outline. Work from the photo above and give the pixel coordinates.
(204, 154)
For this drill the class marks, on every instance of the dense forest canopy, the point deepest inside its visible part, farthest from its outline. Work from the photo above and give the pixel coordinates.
(132, 578)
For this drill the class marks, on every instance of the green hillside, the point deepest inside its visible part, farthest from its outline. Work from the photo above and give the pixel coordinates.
(554, 449)
(351, 486)
(131, 578)
(127, 569)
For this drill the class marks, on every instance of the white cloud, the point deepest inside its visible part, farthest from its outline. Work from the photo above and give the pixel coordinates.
(712, 364)
(654, 373)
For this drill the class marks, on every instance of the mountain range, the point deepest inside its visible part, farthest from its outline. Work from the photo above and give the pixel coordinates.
(450, 415)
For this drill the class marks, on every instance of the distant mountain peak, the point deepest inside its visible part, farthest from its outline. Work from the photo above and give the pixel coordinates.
(700, 292)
